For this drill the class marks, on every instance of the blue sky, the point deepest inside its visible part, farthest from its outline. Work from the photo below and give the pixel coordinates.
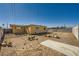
(41, 14)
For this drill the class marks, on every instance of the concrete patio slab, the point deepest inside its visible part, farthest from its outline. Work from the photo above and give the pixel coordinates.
(66, 49)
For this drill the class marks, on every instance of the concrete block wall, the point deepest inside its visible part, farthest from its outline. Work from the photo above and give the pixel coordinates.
(75, 31)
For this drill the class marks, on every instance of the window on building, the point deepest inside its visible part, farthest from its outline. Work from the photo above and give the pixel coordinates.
(37, 27)
(44, 28)
(18, 27)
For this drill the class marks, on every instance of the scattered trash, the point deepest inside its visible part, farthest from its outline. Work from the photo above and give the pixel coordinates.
(48, 36)
(32, 38)
(56, 36)
(4, 44)
(9, 44)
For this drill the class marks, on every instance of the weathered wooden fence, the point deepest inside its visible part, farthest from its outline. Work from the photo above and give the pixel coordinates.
(1, 37)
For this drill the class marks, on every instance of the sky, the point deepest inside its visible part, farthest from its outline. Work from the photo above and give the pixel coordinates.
(48, 14)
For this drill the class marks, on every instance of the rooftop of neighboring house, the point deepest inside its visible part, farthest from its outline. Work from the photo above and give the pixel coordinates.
(25, 25)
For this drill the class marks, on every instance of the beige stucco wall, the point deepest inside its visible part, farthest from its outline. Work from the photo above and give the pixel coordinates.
(75, 31)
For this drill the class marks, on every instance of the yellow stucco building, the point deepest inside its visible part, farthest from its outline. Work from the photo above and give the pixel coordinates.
(35, 29)
(17, 29)
(30, 29)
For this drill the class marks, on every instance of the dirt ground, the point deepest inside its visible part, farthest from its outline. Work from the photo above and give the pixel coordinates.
(21, 46)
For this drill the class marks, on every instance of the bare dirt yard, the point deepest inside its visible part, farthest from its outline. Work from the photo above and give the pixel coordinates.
(22, 46)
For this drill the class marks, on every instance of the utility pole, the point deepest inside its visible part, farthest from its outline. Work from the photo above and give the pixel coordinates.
(7, 25)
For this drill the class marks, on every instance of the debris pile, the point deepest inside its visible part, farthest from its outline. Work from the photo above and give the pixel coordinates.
(31, 38)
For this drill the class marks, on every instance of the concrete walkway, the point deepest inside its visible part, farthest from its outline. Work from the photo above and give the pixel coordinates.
(61, 47)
